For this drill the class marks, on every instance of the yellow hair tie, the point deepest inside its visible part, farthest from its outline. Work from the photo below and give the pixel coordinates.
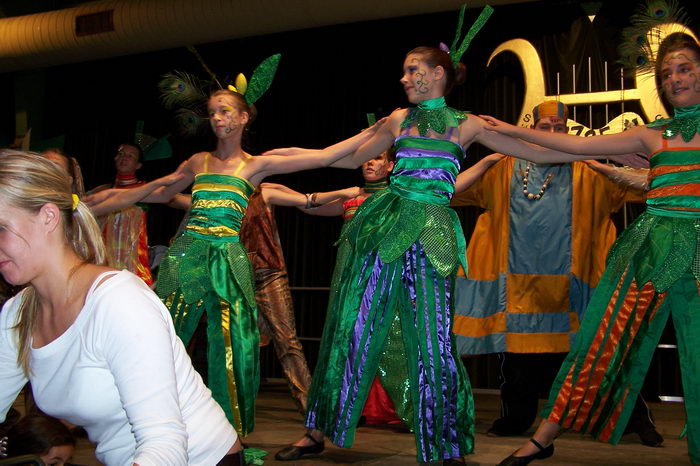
(76, 199)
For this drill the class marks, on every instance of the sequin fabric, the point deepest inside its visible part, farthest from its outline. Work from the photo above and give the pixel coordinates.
(433, 115)
(206, 271)
(659, 241)
(398, 256)
(686, 122)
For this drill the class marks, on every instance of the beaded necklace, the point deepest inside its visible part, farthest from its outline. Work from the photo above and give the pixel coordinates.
(685, 121)
(526, 178)
(435, 115)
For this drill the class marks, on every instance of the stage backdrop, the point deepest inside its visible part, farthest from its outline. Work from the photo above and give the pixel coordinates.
(328, 80)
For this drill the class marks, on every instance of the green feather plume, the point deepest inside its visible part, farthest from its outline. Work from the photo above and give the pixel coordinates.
(262, 78)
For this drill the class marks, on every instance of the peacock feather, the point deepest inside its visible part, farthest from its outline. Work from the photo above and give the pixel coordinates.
(189, 122)
(636, 49)
(179, 89)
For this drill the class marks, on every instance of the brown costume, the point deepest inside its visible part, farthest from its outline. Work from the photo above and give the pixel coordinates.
(276, 312)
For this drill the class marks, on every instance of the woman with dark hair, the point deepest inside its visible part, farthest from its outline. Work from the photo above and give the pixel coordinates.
(394, 298)
(652, 271)
(42, 436)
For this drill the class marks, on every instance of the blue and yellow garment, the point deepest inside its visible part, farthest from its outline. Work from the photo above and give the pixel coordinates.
(533, 264)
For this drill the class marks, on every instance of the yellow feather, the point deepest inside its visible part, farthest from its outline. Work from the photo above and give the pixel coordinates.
(241, 83)
(232, 88)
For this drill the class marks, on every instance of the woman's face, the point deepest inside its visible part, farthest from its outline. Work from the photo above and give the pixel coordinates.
(58, 455)
(224, 117)
(377, 168)
(680, 78)
(421, 81)
(20, 238)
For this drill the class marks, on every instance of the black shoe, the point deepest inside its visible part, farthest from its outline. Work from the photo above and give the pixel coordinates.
(543, 453)
(646, 430)
(294, 452)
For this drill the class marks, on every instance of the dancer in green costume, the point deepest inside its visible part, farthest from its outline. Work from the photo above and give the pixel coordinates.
(404, 246)
(652, 272)
(206, 271)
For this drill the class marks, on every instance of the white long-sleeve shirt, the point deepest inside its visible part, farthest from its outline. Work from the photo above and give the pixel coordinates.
(121, 372)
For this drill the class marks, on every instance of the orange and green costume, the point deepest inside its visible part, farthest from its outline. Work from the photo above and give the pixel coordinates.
(652, 273)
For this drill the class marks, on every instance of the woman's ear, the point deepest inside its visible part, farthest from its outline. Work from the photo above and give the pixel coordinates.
(49, 216)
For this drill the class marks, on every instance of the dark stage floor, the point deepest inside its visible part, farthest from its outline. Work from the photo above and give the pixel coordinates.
(278, 424)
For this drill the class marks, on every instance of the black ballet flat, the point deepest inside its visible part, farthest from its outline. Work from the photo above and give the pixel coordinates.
(543, 453)
(294, 452)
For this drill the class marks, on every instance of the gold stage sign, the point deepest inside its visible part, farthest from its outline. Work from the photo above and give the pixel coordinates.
(645, 90)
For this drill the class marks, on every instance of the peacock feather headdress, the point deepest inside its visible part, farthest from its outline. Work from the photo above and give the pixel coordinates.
(185, 93)
(640, 40)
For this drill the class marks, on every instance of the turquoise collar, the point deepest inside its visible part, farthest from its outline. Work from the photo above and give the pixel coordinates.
(685, 121)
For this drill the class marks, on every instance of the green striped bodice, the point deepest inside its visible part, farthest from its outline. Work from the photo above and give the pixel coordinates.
(218, 204)
(674, 185)
(426, 169)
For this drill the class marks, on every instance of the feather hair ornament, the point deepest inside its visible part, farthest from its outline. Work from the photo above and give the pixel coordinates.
(185, 92)
(179, 89)
(636, 50)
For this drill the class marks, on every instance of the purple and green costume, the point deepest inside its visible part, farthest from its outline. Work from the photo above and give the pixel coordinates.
(394, 296)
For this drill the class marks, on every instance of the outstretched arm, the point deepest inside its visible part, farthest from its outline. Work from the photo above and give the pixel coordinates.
(637, 178)
(475, 129)
(277, 194)
(353, 151)
(634, 140)
(329, 209)
(115, 199)
(469, 176)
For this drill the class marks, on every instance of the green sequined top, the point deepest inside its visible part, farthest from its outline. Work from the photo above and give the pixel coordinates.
(662, 243)
(435, 115)
(415, 206)
(685, 121)
(209, 254)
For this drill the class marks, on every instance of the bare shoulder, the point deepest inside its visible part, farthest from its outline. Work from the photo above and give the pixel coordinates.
(195, 163)
(97, 275)
(469, 128)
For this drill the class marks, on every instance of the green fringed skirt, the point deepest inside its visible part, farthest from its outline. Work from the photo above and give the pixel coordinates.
(215, 278)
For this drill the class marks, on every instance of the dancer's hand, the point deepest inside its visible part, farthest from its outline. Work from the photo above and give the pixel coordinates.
(498, 126)
(492, 159)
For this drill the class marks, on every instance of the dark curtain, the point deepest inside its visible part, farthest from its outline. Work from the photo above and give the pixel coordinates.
(329, 79)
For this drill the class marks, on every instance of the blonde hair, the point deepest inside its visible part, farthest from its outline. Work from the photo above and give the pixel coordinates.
(29, 181)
